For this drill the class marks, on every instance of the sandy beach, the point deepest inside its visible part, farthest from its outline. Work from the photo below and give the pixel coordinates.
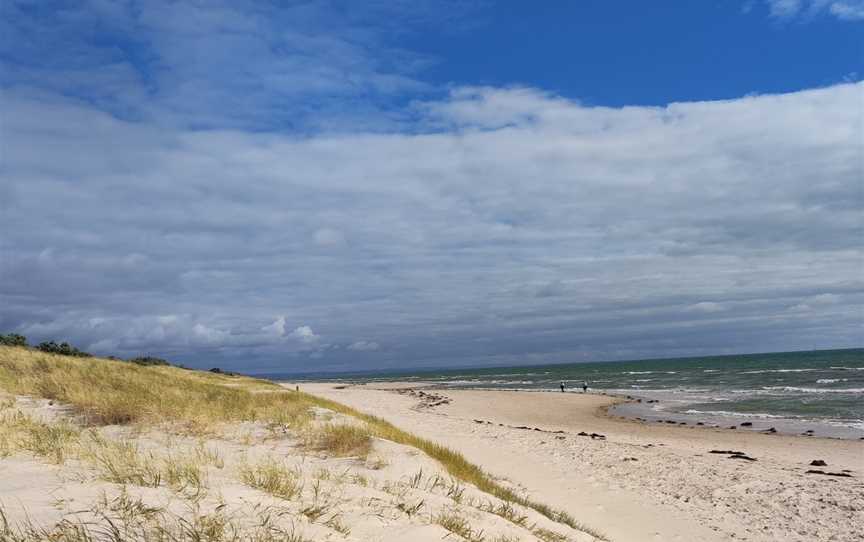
(630, 480)
(98, 449)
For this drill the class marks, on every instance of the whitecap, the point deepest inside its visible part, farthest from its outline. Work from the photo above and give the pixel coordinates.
(762, 371)
(741, 414)
(814, 390)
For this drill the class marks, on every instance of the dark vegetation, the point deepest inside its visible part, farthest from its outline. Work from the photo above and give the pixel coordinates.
(66, 349)
(219, 371)
(148, 360)
(13, 339)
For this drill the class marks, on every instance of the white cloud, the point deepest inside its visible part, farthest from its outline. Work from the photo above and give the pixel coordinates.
(132, 335)
(305, 335)
(706, 307)
(814, 303)
(208, 335)
(785, 8)
(46, 257)
(277, 328)
(327, 237)
(847, 10)
(364, 346)
(824, 299)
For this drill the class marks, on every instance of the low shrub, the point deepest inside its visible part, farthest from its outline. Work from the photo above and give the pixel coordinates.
(218, 371)
(148, 360)
(13, 339)
(63, 349)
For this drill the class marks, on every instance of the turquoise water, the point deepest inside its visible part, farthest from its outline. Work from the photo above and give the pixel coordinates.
(825, 385)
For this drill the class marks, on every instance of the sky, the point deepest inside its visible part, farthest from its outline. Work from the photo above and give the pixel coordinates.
(343, 186)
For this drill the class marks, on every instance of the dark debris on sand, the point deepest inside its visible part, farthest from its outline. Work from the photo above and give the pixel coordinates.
(826, 473)
(426, 400)
(733, 454)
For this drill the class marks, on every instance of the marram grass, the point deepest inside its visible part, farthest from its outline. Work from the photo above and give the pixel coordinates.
(105, 392)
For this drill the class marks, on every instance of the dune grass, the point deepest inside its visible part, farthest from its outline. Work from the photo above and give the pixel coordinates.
(458, 525)
(121, 462)
(506, 510)
(125, 518)
(114, 461)
(273, 477)
(105, 392)
(341, 440)
(54, 442)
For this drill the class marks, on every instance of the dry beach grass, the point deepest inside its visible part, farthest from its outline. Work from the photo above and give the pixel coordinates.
(168, 454)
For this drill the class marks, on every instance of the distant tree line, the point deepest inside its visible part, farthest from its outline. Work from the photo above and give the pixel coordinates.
(66, 349)
(148, 360)
(13, 339)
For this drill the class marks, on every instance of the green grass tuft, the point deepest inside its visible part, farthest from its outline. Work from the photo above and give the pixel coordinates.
(341, 440)
(458, 525)
(274, 478)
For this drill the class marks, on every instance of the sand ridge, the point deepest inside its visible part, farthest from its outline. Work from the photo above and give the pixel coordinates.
(396, 493)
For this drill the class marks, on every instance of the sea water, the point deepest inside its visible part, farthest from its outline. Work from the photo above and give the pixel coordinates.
(790, 391)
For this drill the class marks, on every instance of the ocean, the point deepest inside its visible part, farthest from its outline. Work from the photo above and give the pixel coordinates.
(792, 391)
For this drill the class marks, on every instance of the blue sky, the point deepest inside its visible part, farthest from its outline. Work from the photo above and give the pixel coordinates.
(646, 53)
(313, 186)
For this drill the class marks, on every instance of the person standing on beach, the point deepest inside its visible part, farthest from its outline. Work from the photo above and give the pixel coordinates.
(584, 386)
(562, 386)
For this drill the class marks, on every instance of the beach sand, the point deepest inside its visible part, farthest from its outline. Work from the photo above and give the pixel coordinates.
(639, 481)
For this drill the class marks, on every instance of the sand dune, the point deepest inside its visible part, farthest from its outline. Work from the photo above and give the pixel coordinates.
(394, 494)
(95, 449)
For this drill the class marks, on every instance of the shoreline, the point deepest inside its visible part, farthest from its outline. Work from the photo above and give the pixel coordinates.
(632, 407)
(633, 480)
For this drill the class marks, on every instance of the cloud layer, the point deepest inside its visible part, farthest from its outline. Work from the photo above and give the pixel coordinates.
(508, 225)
